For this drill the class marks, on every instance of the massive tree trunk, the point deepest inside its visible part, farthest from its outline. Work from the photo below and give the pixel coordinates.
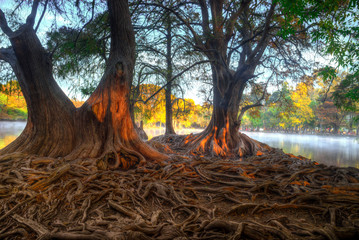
(102, 128)
(50, 127)
(222, 137)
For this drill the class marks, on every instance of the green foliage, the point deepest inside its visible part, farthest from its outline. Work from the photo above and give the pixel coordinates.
(335, 30)
(80, 54)
(346, 94)
(87, 90)
(327, 73)
(304, 107)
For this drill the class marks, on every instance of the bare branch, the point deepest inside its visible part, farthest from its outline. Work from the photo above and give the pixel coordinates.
(186, 23)
(147, 48)
(3, 24)
(257, 104)
(258, 51)
(188, 68)
(31, 18)
(155, 69)
(8, 55)
(174, 78)
(232, 20)
(83, 27)
(17, 7)
(205, 17)
(42, 15)
(245, 108)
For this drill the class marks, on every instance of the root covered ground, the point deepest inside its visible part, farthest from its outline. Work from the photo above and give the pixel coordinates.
(272, 196)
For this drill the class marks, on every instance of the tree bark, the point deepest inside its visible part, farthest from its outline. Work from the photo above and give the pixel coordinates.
(169, 111)
(50, 127)
(169, 75)
(222, 136)
(102, 128)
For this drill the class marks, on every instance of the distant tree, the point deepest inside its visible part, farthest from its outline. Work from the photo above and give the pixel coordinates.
(166, 45)
(330, 116)
(302, 112)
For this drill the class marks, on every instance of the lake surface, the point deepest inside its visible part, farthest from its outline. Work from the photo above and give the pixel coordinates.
(9, 130)
(341, 151)
(337, 150)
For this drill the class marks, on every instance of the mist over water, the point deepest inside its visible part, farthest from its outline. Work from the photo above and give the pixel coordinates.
(341, 151)
(338, 151)
(9, 130)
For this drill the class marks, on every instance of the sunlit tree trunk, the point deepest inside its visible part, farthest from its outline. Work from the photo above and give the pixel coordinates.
(102, 128)
(222, 137)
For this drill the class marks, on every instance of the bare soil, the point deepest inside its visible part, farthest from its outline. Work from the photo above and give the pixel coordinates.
(271, 196)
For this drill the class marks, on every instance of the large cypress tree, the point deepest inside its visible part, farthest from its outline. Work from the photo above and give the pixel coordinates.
(102, 127)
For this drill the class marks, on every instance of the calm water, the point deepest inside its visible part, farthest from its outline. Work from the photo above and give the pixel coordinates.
(9, 130)
(337, 151)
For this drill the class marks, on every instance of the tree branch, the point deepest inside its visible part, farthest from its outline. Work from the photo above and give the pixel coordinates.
(205, 18)
(257, 53)
(186, 23)
(83, 27)
(245, 108)
(30, 20)
(42, 15)
(147, 48)
(257, 104)
(174, 78)
(155, 69)
(232, 20)
(3, 24)
(8, 55)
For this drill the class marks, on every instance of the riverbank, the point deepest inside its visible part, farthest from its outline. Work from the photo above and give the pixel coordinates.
(13, 120)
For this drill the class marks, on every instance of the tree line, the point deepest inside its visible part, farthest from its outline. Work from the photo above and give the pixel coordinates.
(309, 108)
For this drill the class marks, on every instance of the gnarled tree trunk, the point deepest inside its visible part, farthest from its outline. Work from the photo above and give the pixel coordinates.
(50, 127)
(102, 128)
(222, 136)
(219, 32)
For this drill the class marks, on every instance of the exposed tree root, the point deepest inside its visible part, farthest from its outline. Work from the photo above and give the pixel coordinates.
(209, 143)
(272, 196)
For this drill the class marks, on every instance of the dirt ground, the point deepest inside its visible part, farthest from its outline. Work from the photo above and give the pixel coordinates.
(271, 196)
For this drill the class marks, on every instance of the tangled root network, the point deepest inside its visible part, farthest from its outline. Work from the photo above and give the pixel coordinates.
(273, 196)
